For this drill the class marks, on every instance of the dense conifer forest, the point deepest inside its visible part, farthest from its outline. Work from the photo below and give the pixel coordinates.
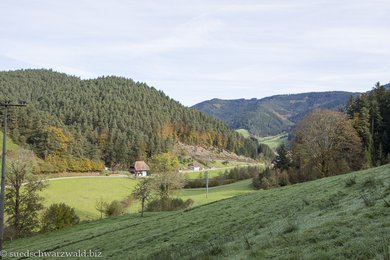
(76, 124)
(371, 115)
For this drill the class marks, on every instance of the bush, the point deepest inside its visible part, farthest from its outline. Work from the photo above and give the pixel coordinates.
(58, 216)
(113, 209)
(168, 204)
(291, 226)
(370, 182)
(269, 178)
(283, 179)
(350, 181)
(264, 183)
(369, 201)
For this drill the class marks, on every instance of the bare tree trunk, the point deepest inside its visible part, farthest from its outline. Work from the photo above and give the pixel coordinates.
(142, 207)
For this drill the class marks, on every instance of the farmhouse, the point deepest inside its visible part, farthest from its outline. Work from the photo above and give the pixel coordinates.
(194, 166)
(140, 169)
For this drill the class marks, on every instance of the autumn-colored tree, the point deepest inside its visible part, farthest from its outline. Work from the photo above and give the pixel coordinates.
(325, 144)
(168, 178)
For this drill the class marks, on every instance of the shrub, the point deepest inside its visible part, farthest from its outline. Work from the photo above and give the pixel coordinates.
(370, 182)
(291, 226)
(58, 216)
(369, 201)
(264, 183)
(350, 181)
(283, 179)
(168, 204)
(188, 203)
(113, 209)
(269, 178)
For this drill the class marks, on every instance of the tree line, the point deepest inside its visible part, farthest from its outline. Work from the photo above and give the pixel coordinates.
(370, 113)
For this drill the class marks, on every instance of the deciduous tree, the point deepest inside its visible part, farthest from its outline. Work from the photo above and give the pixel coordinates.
(168, 178)
(22, 201)
(326, 144)
(143, 192)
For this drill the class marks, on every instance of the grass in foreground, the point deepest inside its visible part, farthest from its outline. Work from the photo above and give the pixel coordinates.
(341, 217)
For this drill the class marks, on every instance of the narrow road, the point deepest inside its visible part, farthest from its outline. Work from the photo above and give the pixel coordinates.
(82, 177)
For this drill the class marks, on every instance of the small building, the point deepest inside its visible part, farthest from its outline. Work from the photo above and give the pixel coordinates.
(194, 167)
(140, 169)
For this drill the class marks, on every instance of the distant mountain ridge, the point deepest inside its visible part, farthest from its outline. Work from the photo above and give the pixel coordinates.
(275, 114)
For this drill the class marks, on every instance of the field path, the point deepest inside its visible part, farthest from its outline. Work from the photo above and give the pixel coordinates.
(83, 177)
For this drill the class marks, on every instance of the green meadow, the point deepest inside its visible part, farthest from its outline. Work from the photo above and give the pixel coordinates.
(274, 141)
(82, 193)
(202, 174)
(245, 133)
(340, 217)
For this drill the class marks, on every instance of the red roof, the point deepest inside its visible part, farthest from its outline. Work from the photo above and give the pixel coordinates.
(140, 166)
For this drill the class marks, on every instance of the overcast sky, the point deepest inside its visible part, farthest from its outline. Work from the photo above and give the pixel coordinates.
(202, 49)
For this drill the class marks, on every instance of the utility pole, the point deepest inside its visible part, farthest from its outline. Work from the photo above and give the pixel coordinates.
(6, 104)
(207, 184)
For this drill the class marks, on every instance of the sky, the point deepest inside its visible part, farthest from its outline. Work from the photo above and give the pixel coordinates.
(203, 49)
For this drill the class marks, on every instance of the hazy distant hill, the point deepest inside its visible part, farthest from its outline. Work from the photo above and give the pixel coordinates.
(272, 115)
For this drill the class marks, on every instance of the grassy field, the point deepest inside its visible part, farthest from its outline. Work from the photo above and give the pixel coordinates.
(274, 141)
(82, 193)
(341, 217)
(245, 133)
(216, 193)
(201, 174)
(216, 172)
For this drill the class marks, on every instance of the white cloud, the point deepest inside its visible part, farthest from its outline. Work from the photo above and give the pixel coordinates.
(195, 50)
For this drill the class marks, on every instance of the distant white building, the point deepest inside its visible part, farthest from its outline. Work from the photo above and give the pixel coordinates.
(194, 167)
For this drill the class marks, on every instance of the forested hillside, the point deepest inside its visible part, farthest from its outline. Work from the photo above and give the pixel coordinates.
(71, 122)
(272, 115)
